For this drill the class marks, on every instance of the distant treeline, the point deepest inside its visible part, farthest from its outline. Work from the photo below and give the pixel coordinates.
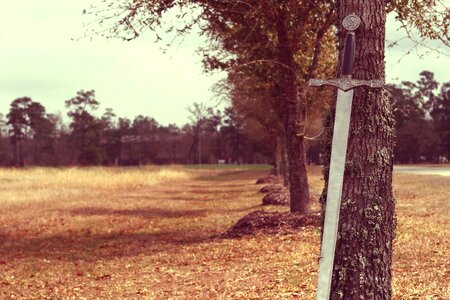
(31, 136)
(422, 115)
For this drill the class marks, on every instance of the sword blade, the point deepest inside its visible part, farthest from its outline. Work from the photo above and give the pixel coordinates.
(334, 191)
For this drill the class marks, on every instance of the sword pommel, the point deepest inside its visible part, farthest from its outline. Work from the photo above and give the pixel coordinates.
(351, 22)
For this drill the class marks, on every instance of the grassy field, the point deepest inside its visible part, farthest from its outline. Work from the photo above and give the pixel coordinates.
(152, 233)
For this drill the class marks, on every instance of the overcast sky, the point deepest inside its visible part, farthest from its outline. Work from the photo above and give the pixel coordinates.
(40, 60)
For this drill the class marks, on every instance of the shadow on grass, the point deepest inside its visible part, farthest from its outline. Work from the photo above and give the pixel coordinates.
(96, 243)
(228, 167)
(235, 175)
(86, 246)
(147, 212)
(203, 196)
(157, 213)
(193, 192)
(188, 226)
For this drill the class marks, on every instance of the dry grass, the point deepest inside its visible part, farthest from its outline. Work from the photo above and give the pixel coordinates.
(422, 246)
(40, 184)
(153, 234)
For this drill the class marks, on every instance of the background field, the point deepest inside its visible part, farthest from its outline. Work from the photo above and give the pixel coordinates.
(154, 233)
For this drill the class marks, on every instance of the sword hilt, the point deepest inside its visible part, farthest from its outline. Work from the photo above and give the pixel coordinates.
(345, 83)
(351, 23)
(349, 55)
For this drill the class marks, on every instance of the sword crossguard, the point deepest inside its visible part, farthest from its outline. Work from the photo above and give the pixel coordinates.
(347, 84)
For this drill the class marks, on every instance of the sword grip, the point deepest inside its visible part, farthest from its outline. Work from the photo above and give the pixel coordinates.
(349, 54)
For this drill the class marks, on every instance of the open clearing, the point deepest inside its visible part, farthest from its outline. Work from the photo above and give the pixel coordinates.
(150, 233)
(424, 170)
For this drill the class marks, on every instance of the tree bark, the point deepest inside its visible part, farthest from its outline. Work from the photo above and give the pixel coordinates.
(277, 157)
(298, 181)
(37, 156)
(363, 259)
(284, 162)
(15, 154)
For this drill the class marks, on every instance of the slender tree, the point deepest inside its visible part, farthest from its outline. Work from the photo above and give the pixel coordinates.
(86, 129)
(42, 132)
(111, 137)
(19, 123)
(3, 126)
(145, 128)
(233, 133)
(199, 115)
(5, 152)
(254, 99)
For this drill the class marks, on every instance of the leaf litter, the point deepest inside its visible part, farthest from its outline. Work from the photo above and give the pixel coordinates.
(165, 240)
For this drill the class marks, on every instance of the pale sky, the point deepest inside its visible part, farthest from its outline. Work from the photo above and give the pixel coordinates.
(39, 60)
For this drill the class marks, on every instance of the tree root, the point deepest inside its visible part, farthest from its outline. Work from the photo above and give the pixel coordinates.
(271, 223)
(277, 197)
(269, 179)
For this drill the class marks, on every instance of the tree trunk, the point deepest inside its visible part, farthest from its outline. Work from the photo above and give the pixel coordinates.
(36, 152)
(277, 157)
(15, 153)
(363, 259)
(22, 161)
(284, 162)
(298, 181)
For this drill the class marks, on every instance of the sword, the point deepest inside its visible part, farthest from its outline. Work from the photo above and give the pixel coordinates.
(345, 85)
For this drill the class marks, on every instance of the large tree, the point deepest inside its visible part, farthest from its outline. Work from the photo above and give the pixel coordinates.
(363, 260)
(278, 46)
(362, 264)
(286, 37)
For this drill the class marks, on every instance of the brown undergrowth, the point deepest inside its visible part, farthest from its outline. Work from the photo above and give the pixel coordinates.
(157, 234)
